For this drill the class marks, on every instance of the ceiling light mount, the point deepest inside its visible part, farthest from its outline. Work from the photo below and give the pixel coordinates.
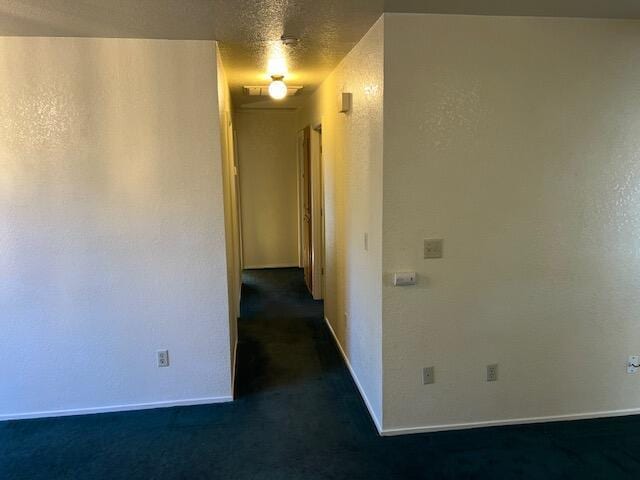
(289, 40)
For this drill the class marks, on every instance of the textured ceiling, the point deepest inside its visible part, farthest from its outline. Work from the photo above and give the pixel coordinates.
(173, 19)
(537, 8)
(248, 30)
(249, 33)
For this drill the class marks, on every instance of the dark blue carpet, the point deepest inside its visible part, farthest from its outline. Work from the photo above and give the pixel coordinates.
(298, 416)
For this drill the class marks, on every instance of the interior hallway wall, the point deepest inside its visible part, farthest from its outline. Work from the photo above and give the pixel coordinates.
(112, 231)
(269, 187)
(517, 140)
(352, 163)
(231, 206)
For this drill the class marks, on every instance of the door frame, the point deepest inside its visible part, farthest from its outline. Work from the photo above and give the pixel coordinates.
(300, 188)
(317, 213)
(309, 142)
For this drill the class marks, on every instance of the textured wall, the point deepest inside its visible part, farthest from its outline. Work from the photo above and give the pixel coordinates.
(352, 162)
(112, 231)
(516, 140)
(268, 187)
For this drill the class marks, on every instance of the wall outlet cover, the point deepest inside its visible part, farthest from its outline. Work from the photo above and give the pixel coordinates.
(163, 358)
(492, 373)
(433, 248)
(632, 362)
(428, 375)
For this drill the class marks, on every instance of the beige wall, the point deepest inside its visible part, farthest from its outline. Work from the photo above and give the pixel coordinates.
(231, 205)
(269, 187)
(352, 163)
(516, 140)
(112, 230)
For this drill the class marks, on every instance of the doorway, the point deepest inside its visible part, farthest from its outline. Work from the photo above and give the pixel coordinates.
(311, 208)
(305, 202)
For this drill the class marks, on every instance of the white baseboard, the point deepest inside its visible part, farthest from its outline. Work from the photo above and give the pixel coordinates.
(513, 421)
(275, 265)
(465, 426)
(116, 408)
(355, 378)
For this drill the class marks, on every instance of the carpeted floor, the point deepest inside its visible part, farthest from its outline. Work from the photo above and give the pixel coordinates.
(299, 416)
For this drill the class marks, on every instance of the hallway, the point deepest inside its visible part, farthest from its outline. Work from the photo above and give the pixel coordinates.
(293, 387)
(298, 415)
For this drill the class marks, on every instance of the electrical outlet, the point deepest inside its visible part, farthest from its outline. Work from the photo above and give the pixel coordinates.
(433, 248)
(492, 373)
(633, 363)
(428, 376)
(163, 358)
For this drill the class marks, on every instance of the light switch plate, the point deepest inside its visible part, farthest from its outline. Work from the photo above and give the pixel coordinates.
(433, 248)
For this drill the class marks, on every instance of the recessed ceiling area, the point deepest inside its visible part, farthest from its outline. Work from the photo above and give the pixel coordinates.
(249, 31)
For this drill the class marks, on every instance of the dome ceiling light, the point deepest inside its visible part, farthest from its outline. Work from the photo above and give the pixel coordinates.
(278, 89)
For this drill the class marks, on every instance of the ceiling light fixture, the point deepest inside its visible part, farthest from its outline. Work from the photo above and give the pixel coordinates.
(277, 88)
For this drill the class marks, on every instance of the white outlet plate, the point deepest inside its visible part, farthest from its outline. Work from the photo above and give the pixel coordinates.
(633, 360)
(428, 376)
(163, 358)
(492, 373)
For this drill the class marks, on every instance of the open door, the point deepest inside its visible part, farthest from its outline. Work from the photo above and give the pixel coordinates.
(304, 157)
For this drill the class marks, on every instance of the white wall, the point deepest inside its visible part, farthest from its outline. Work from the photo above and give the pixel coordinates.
(352, 163)
(269, 187)
(516, 140)
(112, 231)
